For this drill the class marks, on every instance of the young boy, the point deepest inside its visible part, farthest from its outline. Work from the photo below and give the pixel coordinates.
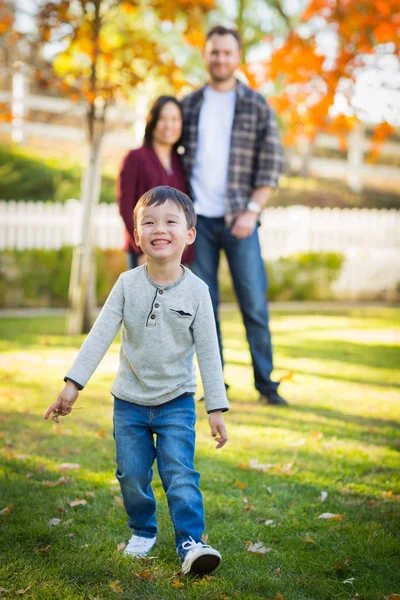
(166, 316)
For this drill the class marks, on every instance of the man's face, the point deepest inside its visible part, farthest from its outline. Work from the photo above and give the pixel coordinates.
(222, 56)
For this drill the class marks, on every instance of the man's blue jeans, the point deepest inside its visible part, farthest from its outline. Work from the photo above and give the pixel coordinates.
(173, 425)
(250, 283)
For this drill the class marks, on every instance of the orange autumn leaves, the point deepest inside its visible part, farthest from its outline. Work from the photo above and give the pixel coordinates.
(309, 74)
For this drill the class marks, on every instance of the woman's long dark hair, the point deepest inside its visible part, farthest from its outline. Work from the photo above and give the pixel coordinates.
(154, 115)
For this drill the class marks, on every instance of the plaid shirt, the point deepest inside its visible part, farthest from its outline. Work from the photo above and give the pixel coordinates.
(256, 157)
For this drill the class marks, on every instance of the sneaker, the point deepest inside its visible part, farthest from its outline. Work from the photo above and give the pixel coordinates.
(200, 558)
(273, 398)
(139, 546)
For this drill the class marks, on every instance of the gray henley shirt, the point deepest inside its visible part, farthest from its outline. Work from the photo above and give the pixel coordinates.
(162, 328)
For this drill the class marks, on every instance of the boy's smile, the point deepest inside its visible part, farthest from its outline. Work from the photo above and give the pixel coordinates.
(162, 232)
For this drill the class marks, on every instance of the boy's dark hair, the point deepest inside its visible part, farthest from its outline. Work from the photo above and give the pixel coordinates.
(221, 30)
(154, 115)
(163, 193)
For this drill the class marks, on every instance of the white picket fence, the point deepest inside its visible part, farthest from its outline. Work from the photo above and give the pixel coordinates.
(369, 239)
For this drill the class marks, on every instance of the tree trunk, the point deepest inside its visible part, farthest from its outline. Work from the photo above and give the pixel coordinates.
(355, 158)
(82, 295)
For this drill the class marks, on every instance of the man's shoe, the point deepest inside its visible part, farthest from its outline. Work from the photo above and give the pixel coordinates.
(273, 398)
(139, 546)
(200, 558)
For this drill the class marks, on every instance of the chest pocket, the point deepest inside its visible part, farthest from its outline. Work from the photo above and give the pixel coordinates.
(182, 313)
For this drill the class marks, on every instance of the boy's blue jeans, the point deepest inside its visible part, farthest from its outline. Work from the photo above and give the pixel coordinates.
(173, 425)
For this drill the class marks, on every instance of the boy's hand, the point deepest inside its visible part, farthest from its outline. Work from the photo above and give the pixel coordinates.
(63, 405)
(218, 428)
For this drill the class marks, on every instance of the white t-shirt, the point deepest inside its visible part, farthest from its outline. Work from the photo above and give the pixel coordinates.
(209, 178)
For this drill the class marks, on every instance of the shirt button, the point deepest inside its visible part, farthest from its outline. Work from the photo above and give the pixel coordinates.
(156, 305)
(153, 317)
(160, 292)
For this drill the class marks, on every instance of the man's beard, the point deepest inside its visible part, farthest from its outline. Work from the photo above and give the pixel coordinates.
(221, 78)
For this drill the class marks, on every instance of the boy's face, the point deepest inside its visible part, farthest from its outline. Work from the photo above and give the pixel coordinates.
(162, 232)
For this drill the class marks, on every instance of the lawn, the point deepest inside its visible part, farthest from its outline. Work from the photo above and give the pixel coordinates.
(335, 450)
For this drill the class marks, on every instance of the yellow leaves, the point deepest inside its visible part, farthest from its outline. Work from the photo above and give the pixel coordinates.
(177, 584)
(7, 510)
(330, 516)
(115, 587)
(241, 485)
(287, 377)
(278, 596)
(144, 575)
(41, 550)
(393, 597)
(257, 548)
(307, 540)
(102, 433)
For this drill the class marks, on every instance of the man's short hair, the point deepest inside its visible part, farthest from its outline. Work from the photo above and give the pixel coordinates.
(161, 194)
(221, 30)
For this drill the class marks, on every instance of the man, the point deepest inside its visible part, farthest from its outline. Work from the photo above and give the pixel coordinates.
(233, 160)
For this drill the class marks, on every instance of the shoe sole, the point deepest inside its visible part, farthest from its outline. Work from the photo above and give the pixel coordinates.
(204, 564)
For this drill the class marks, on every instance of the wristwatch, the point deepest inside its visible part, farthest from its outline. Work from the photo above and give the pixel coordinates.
(254, 207)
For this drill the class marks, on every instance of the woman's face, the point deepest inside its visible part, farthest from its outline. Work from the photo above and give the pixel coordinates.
(169, 125)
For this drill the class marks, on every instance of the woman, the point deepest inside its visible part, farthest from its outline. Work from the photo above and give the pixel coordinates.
(155, 163)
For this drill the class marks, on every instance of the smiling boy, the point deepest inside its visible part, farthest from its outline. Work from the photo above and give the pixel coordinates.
(166, 316)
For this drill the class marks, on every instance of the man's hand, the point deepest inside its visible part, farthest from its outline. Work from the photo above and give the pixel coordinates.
(218, 428)
(63, 405)
(244, 224)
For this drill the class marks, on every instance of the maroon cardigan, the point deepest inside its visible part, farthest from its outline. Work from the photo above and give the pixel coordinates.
(140, 171)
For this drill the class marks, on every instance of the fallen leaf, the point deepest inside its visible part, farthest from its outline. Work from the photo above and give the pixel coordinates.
(102, 433)
(144, 575)
(268, 522)
(350, 581)
(317, 435)
(115, 587)
(77, 502)
(61, 481)
(257, 548)
(177, 584)
(323, 496)
(41, 550)
(204, 538)
(393, 597)
(29, 475)
(70, 535)
(68, 522)
(254, 464)
(340, 566)
(90, 494)
(287, 377)
(330, 516)
(118, 500)
(278, 596)
(297, 443)
(121, 547)
(241, 485)
(277, 572)
(54, 522)
(68, 466)
(7, 510)
(307, 540)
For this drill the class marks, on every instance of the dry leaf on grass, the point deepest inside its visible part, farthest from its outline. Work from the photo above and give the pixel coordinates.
(269, 522)
(115, 587)
(144, 575)
(330, 516)
(257, 548)
(297, 443)
(393, 597)
(340, 566)
(77, 502)
(118, 500)
(102, 433)
(350, 580)
(121, 546)
(69, 467)
(54, 522)
(254, 464)
(307, 540)
(316, 435)
(41, 550)
(177, 584)
(61, 481)
(323, 496)
(204, 538)
(240, 485)
(90, 494)
(22, 592)
(278, 597)
(7, 510)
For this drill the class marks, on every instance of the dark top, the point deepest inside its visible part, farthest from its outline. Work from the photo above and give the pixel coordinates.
(140, 171)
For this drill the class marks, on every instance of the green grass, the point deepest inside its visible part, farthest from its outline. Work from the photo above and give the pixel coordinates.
(339, 435)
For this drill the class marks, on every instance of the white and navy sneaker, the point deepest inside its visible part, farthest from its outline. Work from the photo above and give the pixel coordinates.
(200, 558)
(139, 546)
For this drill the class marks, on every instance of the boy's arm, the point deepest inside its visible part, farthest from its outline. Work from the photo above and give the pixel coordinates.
(99, 339)
(206, 346)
